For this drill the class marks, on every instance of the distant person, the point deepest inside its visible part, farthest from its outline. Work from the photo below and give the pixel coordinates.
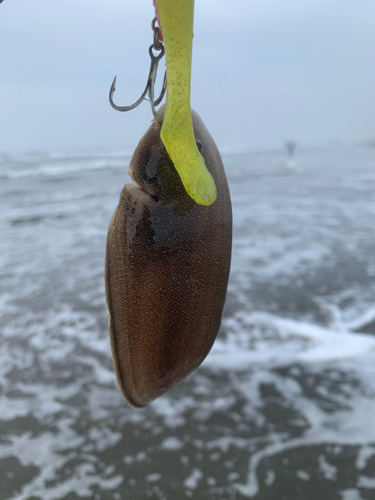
(290, 148)
(291, 163)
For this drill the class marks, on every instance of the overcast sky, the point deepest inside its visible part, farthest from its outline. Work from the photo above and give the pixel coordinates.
(263, 72)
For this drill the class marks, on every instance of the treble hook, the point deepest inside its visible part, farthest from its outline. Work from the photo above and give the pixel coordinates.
(149, 90)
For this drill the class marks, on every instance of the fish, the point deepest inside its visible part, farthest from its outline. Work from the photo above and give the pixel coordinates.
(166, 268)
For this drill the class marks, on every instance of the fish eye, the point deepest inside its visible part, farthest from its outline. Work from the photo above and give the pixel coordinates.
(199, 144)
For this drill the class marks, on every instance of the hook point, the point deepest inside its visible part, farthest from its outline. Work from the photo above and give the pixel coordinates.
(113, 86)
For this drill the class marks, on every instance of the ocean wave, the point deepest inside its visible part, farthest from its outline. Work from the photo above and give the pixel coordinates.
(254, 339)
(286, 395)
(64, 167)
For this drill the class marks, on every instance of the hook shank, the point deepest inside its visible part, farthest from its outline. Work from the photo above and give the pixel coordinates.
(150, 86)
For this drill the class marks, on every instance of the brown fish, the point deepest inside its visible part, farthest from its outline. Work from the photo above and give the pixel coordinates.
(167, 268)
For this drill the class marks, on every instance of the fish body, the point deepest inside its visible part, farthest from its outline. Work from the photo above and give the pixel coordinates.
(167, 268)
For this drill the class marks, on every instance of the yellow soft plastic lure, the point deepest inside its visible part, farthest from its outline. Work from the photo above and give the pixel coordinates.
(176, 19)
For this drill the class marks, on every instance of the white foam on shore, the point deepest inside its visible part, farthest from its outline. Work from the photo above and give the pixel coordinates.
(55, 362)
(172, 443)
(347, 427)
(367, 317)
(191, 482)
(254, 339)
(261, 342)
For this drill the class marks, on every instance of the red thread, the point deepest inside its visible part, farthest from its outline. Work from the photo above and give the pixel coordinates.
(158, 18)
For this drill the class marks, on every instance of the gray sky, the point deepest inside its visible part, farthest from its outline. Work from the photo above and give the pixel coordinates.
(263, 72)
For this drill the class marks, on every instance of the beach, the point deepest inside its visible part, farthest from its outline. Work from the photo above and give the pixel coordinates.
(283, 407)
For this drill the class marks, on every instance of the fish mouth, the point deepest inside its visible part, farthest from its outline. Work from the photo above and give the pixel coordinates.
(135, 183)
(146, 189)
(140, 191)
